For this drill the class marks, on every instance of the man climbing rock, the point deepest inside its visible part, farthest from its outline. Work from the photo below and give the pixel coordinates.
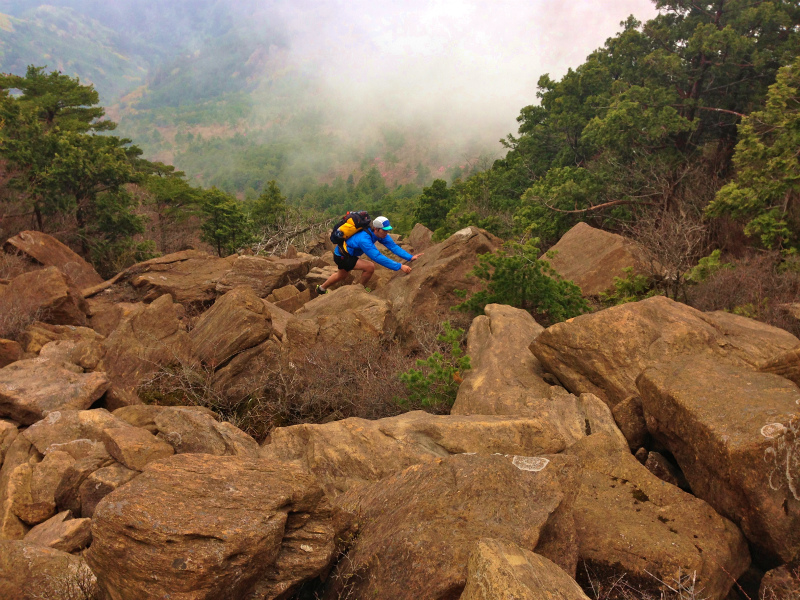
(346, 255)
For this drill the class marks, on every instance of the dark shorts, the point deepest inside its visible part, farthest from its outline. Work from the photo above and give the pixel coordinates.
(346, 262)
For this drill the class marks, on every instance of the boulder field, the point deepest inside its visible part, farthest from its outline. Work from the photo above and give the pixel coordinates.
(635, 450)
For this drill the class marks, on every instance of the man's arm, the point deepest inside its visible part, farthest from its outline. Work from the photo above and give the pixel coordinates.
(370, 250)
(394, 248)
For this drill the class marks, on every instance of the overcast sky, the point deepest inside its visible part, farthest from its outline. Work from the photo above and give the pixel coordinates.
(455, 59)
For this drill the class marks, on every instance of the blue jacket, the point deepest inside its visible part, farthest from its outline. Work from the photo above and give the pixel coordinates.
(363, 242)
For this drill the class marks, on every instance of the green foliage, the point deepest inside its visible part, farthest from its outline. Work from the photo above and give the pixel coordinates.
(517, 277)
(707, 267)
(435, 383)
(269, 208)
(766, 192)
(433, 205)
(226, 227)
(630, 288)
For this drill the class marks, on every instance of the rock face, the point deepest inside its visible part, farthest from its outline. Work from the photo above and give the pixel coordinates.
(418, 528)
(592, 258)
(29, 389)
(502, 571)
(504, 372)
(237, 321)
(732, 431)
(426, 294)
(193, 431)
(49, 252)
(781, 583)
(344, 453)
(45, 295)
(197, 526)
(62, 532)
(630, 523)
(603, 353)
(10, 351)
(30, 572)
(149, 337)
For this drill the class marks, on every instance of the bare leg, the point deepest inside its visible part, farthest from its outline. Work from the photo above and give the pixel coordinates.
(367, 268)
(335, 278)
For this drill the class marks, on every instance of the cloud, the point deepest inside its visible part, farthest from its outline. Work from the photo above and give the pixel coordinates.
(468, 57)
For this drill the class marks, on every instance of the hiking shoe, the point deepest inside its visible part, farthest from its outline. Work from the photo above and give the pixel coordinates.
(366, 289)
(321, 291)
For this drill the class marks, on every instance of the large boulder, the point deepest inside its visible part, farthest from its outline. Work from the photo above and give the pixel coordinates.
(149, 338)
(504, 372)
(499, 570)
(633, 525)
(74, 431)
(418, 528)
(781, 583)
(427, 293)
(344, 453)
(48, 251)
(604, 352)
(591, 258)
(343, 318)
(733, 431)
(62, 532)
(237, 321)
(193, 431)
(264, 274)
(10, 351)
(45, 295)
(29, 389)
(32, 572)
(420, 238)
(196, 527)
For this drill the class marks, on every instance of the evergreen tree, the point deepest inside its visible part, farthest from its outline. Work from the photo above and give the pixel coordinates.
(226, 227)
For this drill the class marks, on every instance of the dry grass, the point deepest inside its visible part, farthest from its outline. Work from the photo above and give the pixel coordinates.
(16, 314)
(757, 286)
(317, 385)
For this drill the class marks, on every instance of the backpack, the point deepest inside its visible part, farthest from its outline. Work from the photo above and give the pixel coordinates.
(349, 225)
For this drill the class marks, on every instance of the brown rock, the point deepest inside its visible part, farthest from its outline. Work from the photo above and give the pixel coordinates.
(49, 252)
(105, 315)
(32, 572)
(189, 277)
(351, 451)
(10, 351)
(62, 532)
(417, 528)
(604, 352)
(294, 303)
(15, 478)
(632, 524)
(134, 447)
(71, 431)
(259, 273)
(279, 318)
(237, 321)
(39, 334)
(629, 416)
(45, 477)
(733, 432)
(8, 433)
(144, 415)
(86, 354)
(420, 238)
(150, 337)
(786, 365)
(100, 484)
(29, 389)
(283, 293)
(345, 317)
(250, 371)
(504, 372)
(427, 293)
(781, 583)
(662, 468)
(44, 295)
(68, 493)
(499, 570)
(199, 526)
(193, 432)
(591, 258)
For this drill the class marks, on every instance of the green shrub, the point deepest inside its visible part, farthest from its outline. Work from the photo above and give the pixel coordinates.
(435, 383)
(707, 267)
(515, 276)
(630, 288)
